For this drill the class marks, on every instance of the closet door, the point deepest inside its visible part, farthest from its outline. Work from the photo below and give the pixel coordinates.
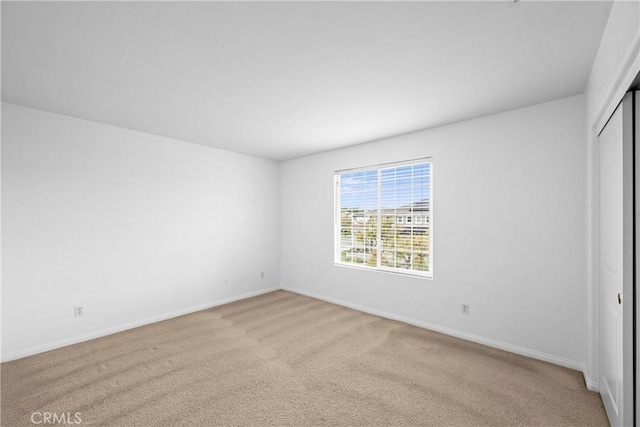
(615, 263)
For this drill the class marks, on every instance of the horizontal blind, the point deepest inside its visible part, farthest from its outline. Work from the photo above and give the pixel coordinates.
(383, 217)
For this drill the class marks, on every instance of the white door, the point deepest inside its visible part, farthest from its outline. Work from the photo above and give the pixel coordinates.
(615, 259)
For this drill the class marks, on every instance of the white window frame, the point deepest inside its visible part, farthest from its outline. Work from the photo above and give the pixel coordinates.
(428, 220)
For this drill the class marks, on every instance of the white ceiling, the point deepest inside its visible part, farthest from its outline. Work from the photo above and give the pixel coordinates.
(287, 79)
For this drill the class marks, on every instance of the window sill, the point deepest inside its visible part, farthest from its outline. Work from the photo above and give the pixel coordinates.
(428, 276)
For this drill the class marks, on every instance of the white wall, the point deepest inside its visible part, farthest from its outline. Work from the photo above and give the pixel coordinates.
(133, 227)
(509, 222)
(616, 65)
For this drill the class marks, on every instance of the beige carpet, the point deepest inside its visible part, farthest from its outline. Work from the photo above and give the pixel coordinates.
(285, 359)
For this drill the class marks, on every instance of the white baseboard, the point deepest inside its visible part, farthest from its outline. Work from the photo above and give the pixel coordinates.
(534, 354)
(591, 384)
(572, 364)
(19, 354)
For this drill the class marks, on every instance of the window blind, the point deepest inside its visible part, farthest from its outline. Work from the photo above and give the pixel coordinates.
(384, 217)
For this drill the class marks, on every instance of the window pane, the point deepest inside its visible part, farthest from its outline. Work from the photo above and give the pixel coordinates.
(421, 261)
(388, 258)
(385, 217)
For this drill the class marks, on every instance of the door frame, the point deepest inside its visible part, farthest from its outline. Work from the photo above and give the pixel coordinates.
(628, 256)
(636, 206)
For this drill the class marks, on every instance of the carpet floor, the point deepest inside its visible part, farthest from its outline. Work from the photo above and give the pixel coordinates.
(286, 359)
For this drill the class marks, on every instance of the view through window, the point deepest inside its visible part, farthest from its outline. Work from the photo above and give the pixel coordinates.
(384, 217)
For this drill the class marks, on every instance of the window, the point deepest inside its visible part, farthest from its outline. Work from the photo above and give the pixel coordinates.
(385, 195)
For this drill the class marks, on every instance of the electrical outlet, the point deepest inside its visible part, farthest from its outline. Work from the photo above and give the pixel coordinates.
(464, 309)
(262, 274)
(226, 281)
(78, 311)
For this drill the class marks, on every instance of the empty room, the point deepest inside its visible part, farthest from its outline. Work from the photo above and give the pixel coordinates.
(298, 213)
